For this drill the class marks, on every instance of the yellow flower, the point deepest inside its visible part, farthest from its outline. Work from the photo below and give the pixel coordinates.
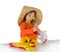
(25, 40)
(26, 43)
(33, 43)
(32, 20)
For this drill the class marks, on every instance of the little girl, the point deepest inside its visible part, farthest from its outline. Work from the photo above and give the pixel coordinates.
(28, 21)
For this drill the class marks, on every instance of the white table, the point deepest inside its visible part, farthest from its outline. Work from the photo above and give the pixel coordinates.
(51, 46)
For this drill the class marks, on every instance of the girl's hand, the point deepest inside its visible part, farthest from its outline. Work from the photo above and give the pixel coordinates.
(38, 31)
(35, 27)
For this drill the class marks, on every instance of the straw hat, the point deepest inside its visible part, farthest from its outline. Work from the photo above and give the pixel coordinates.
(27, 9)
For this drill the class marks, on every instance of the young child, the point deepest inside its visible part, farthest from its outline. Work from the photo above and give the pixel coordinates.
(28, 22)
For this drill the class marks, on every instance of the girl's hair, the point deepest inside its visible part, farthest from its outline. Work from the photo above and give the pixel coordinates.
(27, 14)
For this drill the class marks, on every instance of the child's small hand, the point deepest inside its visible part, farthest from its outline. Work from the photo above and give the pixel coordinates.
(38, 31)
(35, 27)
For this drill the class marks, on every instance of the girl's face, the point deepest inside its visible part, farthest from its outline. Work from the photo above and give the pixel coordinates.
(30, 15)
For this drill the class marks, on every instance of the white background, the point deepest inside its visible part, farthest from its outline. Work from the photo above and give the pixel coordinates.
(10, 11)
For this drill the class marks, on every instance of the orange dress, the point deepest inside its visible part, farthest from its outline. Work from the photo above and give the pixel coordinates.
(27, 30)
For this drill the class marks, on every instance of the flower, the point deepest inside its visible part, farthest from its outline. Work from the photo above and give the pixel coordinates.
(25, 40)
(33, 43)
(26, 43)
(32, 20)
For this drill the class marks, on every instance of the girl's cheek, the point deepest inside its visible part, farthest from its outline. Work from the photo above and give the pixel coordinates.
(27, 18)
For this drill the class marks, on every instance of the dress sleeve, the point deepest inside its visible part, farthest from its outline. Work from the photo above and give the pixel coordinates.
(25, 30)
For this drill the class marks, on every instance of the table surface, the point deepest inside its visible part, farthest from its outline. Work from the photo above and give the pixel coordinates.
(50, 46)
